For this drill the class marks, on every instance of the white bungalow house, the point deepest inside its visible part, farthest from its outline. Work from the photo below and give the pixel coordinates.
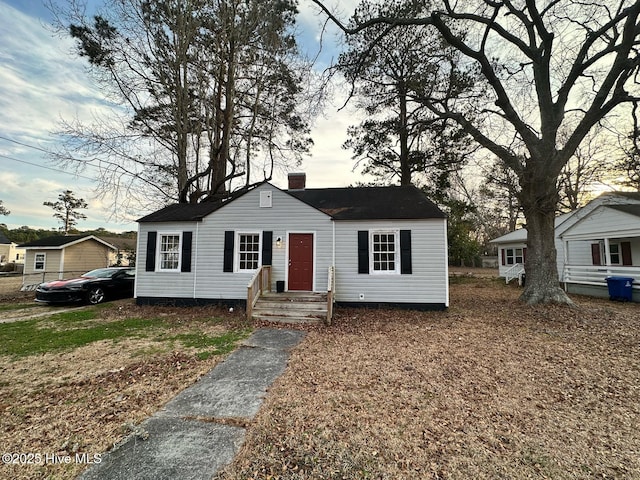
(599, 240)
(366, 246)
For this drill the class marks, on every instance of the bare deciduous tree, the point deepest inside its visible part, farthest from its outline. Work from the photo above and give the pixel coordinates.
(561, 66)
(204, 91)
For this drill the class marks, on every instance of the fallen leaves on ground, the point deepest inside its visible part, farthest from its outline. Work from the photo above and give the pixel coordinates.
(489, 389)
(87, 399)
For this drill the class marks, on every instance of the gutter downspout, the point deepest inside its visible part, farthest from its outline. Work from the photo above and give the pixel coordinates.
(333, 256)
(446, 264)
(195, 261)
(135, 283)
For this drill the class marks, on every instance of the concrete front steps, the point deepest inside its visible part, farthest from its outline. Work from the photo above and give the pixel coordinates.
(291, 307)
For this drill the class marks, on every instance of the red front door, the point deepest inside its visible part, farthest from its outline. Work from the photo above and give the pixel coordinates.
(301, 261)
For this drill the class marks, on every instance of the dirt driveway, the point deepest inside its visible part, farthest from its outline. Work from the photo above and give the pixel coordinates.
(16, 305)
(35, 311)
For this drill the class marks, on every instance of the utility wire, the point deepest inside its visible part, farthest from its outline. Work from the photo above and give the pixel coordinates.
(40, 149)
(123, 171)
(43, 166)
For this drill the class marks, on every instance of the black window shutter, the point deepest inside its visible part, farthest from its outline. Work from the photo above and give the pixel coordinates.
(150, 261)
(228, 251)
(187, 238)
(363, 251)
(405, 252)
(267, 247)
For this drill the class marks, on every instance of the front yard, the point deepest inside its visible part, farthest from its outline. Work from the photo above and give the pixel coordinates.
(491, 389)
(488, 389)
(78, 382)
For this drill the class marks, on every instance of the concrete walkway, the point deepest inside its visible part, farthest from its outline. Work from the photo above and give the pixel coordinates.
(185, 440)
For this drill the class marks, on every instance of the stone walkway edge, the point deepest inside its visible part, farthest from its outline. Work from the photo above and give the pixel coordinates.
(183, 440)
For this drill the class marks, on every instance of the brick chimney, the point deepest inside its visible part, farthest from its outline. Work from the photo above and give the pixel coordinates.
(297, 181)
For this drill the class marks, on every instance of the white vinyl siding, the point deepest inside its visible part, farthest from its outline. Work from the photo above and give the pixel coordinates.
(168, 283)
(207, 279)
(604, 222)
(428, 282)
(506, 249)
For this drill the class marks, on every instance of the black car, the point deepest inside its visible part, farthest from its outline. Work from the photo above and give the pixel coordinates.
(93, 287)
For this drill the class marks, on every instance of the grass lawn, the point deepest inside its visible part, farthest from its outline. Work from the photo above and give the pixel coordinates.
(490, 389)
(71, 382)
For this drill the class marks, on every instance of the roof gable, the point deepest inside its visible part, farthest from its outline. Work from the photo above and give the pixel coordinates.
(627, 202)
(630, 209)
(360, 203)
(610, 221)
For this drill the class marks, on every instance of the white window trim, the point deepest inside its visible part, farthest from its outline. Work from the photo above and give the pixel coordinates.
(159, 252)
(236, 252)
(396, 260)
(514, 255)
(44, 262)
(603, 253)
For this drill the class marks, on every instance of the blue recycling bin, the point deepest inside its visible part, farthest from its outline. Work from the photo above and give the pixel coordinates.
(620, 288)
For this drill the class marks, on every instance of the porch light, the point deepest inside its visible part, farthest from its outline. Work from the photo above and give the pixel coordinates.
(279, 242)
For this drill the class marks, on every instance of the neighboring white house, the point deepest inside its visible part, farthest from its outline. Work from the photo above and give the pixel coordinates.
(9, 251)
(386, 245)
(599, 240)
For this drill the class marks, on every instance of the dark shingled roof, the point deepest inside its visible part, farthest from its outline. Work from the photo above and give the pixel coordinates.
(370, 203)
(190, 212)
(362, 203)
(182, 212)
(4, 240)
(629, 195)
(55, 241)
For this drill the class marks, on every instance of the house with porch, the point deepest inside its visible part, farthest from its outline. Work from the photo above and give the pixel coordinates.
(599, 240)
(368, 246)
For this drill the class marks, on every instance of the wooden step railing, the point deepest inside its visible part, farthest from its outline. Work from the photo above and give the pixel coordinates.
(260, 283)
(331, 288)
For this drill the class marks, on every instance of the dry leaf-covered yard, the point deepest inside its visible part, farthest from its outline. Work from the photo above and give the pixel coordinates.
(78, 402)
(488, 389)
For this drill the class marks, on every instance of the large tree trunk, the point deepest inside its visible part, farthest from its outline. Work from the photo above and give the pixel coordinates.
(539, 204)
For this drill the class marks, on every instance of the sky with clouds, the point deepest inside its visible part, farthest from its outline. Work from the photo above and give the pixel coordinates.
(41, 82)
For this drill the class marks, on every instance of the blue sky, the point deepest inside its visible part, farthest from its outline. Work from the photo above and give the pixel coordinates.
(41, 81)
